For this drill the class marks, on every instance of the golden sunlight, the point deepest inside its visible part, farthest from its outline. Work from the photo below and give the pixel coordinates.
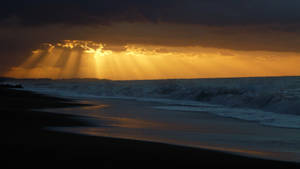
(87, 59)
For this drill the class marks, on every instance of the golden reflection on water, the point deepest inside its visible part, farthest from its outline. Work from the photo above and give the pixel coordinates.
(137, 135)
(96, 107)
(112, 124)
(125, 122)
(135, 123)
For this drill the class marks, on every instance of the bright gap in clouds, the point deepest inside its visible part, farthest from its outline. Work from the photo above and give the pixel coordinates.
(87, 59)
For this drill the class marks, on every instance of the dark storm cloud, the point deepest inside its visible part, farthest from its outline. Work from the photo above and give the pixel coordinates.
(37, 12)
(267, 25)
(211, 12)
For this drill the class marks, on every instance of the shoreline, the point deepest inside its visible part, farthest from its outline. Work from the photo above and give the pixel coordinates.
(27, 141)
(137, 120)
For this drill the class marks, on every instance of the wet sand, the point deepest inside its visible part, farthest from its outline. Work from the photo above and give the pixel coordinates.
(25, 143)
(139, 120)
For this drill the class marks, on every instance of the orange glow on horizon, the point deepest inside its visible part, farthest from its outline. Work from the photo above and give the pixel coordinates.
(86, 59)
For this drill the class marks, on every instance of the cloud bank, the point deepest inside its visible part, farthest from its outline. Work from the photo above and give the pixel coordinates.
(242, 25)
(208, 12)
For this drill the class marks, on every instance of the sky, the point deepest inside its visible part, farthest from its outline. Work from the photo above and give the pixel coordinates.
(154, 39)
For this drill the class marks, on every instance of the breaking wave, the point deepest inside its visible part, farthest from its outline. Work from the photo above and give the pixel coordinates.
(263, 94)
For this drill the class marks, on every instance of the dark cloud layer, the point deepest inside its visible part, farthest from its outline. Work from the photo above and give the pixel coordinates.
(211, 12)
(269, 25)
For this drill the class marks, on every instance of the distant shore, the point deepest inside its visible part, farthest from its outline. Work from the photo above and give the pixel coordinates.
(25, 143)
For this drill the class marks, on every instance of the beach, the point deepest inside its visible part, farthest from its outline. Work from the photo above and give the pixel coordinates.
(148, 121)
(26, 141)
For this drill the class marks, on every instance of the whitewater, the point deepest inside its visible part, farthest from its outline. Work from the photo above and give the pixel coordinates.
(271, 101)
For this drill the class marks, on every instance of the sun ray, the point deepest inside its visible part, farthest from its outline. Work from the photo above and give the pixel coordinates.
(68, 69)
(99, 66)
(51, 58)
(87, 59)
(77, 65)
(35, 55)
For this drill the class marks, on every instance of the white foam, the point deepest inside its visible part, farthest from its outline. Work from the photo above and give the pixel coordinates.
(177, 102)
(255, 115)
(277, 99)
(263, 117)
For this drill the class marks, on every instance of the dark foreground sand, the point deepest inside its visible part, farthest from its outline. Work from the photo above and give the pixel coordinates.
(25, 144)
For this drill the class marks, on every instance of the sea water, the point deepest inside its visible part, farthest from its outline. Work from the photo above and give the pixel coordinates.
(273, 101)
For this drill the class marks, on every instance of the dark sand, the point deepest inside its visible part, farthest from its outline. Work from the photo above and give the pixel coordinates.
(26, 144)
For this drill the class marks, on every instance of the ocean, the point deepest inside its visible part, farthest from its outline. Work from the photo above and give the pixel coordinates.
(271, 101)
(257, 117)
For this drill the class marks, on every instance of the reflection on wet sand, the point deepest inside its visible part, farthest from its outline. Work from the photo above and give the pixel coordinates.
(95, 107)
(130, 119)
